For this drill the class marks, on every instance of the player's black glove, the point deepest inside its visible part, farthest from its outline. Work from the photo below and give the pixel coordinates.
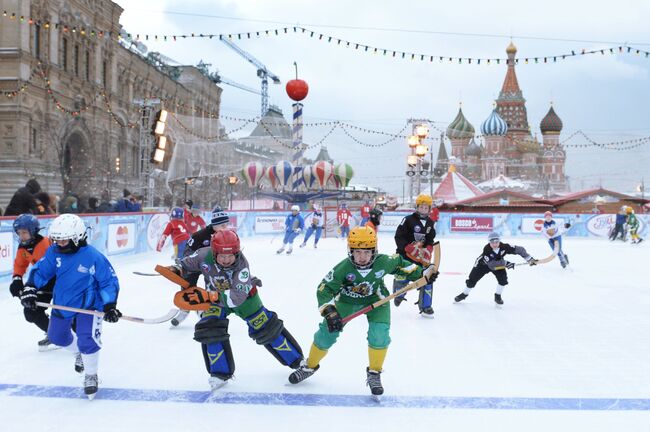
(510, 265)
(16, 287)
(532, 261)
(332, 317)
(111, 313)
(567, 225)
(28, 298)
(430, 274)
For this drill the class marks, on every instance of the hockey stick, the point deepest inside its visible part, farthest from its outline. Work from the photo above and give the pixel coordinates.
(146, 274)
(170, 275)
(169, 315)
(551, 257)
(411, 286)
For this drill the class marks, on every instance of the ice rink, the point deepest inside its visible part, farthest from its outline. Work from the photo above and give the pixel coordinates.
(569, 350)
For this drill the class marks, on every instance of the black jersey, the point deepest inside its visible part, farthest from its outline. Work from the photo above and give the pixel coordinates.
(493, 258)
(199, 239)
(414, 228)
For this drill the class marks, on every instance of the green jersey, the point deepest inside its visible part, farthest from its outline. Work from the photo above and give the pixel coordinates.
(632, 221)
(347, 284)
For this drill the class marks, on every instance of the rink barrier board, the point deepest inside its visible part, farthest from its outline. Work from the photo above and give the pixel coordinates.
(331, 400)
(134, 233)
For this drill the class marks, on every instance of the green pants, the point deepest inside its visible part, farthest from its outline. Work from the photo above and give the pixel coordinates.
(378, 326)
(244, 310)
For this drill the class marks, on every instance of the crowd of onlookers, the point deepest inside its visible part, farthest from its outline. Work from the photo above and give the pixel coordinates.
(32, 199)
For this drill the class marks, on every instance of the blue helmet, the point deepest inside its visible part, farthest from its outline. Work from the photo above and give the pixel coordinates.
(27, 222)
(177, 213)
(219, 217)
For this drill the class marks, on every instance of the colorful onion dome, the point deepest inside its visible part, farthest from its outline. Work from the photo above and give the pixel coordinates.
(551, 123)
(460, 128)
(494, 125)
(511, 49)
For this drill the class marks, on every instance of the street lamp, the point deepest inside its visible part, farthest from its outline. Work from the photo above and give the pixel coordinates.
(418, 151)
(232, 181)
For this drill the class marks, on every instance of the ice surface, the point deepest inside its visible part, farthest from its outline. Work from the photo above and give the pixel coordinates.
(568, 348)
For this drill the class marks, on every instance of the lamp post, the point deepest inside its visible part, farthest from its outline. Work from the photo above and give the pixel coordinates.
(232, 181)
(418, 151)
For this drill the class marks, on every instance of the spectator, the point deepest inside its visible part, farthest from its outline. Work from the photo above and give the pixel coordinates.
(54, 203)
(23, 200)
(70, 205)
(93, 204)
(105, 206)
(127, 203)
(43, 203)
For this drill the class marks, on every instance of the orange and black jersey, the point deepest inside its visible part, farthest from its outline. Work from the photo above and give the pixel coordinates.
(30, 254)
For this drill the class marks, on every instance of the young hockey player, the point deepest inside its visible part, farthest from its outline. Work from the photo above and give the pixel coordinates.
(365, 213)
(374, 219)
(492, 261)
(633, 224)
(227, 273)
(414, 239)
(314, 223)
(178, 230)
(352, 284)
(619, 225)
(294, 224)
(84, 279)
(553, 232)
(31, 248)
(218, 221)
(193, 220)
(343, 217)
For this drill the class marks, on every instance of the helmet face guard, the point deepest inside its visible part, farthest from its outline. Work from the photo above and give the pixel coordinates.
(363, 238)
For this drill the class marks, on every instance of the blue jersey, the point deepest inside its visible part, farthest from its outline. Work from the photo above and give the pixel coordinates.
(293, 222)
(84, 279)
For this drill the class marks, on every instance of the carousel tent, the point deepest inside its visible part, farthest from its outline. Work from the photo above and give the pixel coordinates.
(454, 187)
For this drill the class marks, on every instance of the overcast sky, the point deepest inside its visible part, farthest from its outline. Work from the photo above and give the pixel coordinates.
(607, 96)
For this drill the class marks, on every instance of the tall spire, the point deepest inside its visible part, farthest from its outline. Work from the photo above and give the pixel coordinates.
(511, 104)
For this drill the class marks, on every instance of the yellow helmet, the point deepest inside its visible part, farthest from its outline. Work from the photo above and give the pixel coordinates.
(629, 210)
(424, 199)
(362, 238)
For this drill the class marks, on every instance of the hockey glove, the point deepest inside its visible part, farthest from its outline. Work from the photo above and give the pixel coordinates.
(532, 261)
(256, 282)
(430, 274)
(161, 243)
(111, 313)
(195, 298)
(510, 265)
(16, 287)
(297, 230)
(332, 318)
(28, 298)
(567, 225)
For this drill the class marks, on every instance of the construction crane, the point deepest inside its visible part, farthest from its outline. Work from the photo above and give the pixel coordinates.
(262, 72)
(216, 78)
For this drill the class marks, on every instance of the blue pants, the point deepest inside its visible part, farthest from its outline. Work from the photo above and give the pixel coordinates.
(560, 254)
(88, 329)
(364, 221)
(180, 249)
(289, 237)
(310, 230)
(345, 230)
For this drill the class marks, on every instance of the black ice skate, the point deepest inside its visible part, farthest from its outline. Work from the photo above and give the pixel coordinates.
(90, 386)
(46, 345)
(427, 311)
(302, 373)
(497, 299)
(398, 300)
(78, 363)
(373, 380)
(460, 297)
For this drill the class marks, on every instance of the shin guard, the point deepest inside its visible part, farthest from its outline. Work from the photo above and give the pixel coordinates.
(265, 328)
(218, 359)
(425, 299)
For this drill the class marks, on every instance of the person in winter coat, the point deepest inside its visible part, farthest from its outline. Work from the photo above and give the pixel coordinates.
(23, 200)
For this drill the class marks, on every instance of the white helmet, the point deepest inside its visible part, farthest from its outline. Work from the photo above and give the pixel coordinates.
(68, 227)
(295, 208)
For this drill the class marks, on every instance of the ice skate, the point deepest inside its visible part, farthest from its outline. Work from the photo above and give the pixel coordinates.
(302, 245)
(460, 297)
(315, 246)
(90, 386)
(46, 345)
(289, 250)
(497, 299)
(373, 380)
(78, 363)
(427, 312)
(398, 300)
(302, 373)
(279, 251)
(216, 383)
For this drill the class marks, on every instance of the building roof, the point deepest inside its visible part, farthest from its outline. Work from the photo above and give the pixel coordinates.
(460, 128)
(455, 187)
(551, 123)
(576, 196)
(273, 124)
(502, 182)
(323, 155)
(473, 149)
(494, 125)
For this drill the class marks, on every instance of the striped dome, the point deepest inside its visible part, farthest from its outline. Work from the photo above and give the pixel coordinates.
(494, 125)
(551, 123)
(473, 149)
(460, 128)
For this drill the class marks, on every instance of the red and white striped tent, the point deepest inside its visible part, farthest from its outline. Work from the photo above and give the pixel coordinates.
(454, 187)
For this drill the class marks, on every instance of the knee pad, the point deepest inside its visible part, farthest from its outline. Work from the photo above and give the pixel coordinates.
(211, 330)
(378, 335)
(218, 359)
(426, 297)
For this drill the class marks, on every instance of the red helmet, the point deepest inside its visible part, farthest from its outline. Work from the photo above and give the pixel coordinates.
(225, 242)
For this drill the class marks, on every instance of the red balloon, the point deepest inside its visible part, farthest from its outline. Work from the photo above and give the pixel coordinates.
(297, 89)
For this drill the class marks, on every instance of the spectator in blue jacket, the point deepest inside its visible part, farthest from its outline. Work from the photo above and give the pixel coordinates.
(128, 203)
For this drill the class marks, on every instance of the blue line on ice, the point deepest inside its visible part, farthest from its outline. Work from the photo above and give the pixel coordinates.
(332, 400)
